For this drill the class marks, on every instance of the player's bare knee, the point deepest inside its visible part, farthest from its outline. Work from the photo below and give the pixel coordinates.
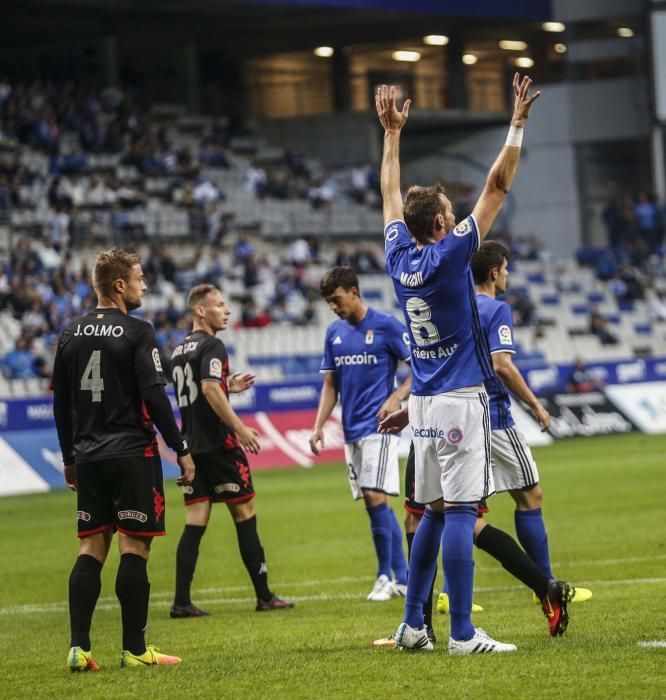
(437, 505)
(241, 511)
(478, 526)
(97, 545)
(134, 545)
(198, 513)
(374, 498)
(529, 499)
(412, 521)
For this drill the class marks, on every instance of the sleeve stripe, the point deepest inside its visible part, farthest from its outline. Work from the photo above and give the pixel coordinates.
(476, 230)
(511, 352)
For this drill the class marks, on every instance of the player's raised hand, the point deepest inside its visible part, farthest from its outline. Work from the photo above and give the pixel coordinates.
(240, 382)
(523, 100)
(70, 476)
(186, 464)
(542, 417)
(248, 438)
(317, 441)
(389, 116)
(394, 422)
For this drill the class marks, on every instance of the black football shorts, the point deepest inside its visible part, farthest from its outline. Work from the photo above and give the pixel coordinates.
(222, 476)
(123, 493)
(414, 506)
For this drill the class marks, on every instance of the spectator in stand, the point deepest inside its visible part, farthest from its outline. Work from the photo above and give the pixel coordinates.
(522, 307)
(646, 216)
(582, 380)
(252, 317)
(599, 327)
(243, 248)
(657, 304)
(606, 266)
(22, 362)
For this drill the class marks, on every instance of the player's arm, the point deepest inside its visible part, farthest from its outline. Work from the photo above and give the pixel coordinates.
(392, 120)
(62, 412)
(394, 401)
(514, 382)
(218, 401)
(327, 401)
(150, 380)
(504, 169)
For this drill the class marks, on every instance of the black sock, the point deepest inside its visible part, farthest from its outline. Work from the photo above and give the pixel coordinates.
(252, 554)
(507, 552)
(186, 562)
(133, 591)
(427, 606)
(85, 583)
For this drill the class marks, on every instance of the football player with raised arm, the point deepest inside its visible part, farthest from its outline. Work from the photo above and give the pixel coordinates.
(428, 258)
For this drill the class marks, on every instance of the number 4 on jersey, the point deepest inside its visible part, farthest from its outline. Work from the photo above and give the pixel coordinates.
(92, 377)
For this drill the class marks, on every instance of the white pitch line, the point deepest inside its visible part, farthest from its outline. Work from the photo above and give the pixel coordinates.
(656, 644)
(61, 607)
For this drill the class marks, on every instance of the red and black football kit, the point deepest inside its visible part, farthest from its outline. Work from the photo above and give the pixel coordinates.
(108, 389)
(222, 470)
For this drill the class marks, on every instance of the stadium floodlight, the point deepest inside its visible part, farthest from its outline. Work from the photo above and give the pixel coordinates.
(524, 62)
(553, 27)
(560, 48)
(625, 32)
(436, 40)
(324, 51)
(469, 59)
(512, 45)
(408, 56)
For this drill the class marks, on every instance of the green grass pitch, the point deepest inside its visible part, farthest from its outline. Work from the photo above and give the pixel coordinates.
(604, 509)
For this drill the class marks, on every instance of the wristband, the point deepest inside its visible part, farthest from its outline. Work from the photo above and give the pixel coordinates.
(515, 136)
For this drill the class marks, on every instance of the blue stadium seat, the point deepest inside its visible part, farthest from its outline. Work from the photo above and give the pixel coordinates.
(550, 299)
(580, 309)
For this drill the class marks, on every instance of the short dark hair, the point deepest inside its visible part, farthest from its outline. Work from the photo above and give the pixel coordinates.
(422, 205)
(489, 255)
(338, 276)
(198, 294)
(112, 265)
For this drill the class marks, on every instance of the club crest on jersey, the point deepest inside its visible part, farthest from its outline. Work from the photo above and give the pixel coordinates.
(504, 333)
(156, 360)
(369, 337)
(454, 436)
(463, 228)
(216, 368)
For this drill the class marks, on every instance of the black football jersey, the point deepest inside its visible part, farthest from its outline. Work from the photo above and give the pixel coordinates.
(103, 362)
(201, 357)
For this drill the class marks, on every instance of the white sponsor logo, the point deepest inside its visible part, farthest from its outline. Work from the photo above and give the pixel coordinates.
(428, 433)
(539, 378)
(360, 359)
(132, 515)
(82, 515)
(188, 490)
(291, 394)
(263, 569)
(216, 368)
(660, 368)
(434, 354)
(631, 372)
(414, 279)
(99, 331)
(221, 488)
(156, 360)
(463, 228)
(504, 333)
(40, 411)
(337, 341)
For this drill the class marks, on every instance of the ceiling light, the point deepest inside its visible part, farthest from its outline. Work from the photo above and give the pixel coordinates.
(469, 59)
(560, 48)
(436, 40)
(409, 56)
(625, 32)
(510, 45)
(553, 27)
(324, 51)
(524, 62)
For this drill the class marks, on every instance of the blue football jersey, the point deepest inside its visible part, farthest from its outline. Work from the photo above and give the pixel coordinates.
(364, 359)
(497, 324)
(436, 293)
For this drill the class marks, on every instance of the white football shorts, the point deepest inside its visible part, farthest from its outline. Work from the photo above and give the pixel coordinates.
(514, 466)
(451, 435)
(373, 464)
